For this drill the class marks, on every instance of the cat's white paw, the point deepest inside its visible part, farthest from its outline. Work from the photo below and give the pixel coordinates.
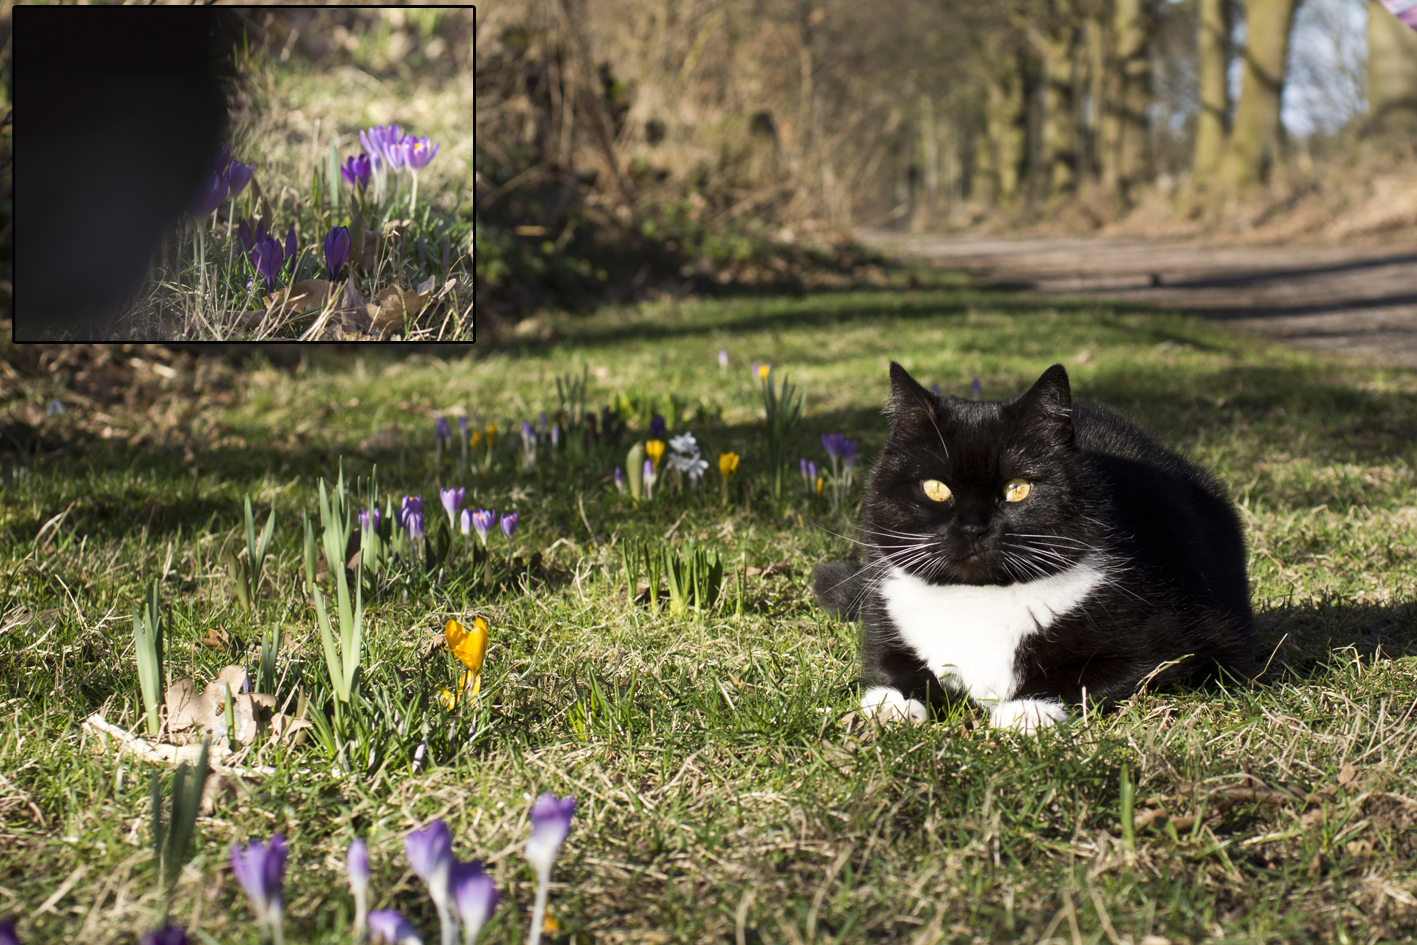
(886, 704)
(1027, 715)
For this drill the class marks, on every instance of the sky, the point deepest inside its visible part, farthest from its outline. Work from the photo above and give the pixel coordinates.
(1328, 58)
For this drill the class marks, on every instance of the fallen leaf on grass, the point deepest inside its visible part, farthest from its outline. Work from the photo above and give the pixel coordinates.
(393, 306)
(204, 712)
(306, 295)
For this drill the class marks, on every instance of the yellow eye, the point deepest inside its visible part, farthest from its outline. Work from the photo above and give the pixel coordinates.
(1016, 490)
(936, 490)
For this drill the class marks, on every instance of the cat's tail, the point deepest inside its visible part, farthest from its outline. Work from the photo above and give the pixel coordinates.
(840, 587)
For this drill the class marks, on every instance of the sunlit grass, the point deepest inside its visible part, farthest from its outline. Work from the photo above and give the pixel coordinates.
(726, 791)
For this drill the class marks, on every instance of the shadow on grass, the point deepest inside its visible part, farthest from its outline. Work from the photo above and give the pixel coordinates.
(1306, 640)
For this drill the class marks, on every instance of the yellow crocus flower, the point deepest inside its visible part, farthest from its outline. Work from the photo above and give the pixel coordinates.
(654, 449)
(727, 464)
(470, 647)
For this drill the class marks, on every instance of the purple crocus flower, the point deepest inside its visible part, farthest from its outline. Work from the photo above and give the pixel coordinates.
(290, 248)
(441, 429)
(239, 175)
(974, 388)
(167, 935)
(356, 171)
(483, 521)
(723, 360)
(411, 515)
(368, 520)
(212, 191)
(388, 927)
(509, 524)
(555, 436)
(474, 897)
(452, 501)
(465, 521)
(656, 427)
(430, 850)
(809, 473)
(417, 152)
(834, 443)
(337, 246)
(462, 429)
(430, 854)
(550, 823)
(848, 451)
(249, 238)
(528, 431)
(7, 933)
(356, 867)
(268, 256)
(210, 194)
(259, 868)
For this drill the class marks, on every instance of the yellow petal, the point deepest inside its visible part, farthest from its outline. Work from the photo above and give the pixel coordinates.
(469, 646)
(448, 699)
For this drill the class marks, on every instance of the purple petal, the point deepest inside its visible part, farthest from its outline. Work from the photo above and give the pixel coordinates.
(167, 935)
(429, 850)
(474, 896)
(550, 823)
(337, 247)
(386, 925)
(209, 195)
(509, 524)
(356, 865)
(239, 176)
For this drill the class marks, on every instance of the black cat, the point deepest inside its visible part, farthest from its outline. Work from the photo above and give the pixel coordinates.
(1025, 551)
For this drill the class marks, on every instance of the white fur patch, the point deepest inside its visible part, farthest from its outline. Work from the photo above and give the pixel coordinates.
(1026, 715)
(968, 635)
(887, 703)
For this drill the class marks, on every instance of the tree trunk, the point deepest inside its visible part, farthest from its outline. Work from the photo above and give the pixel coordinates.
(1212, 57)
(1250, 151)
(1004, 127)
(1392, 74)
(1124, 126)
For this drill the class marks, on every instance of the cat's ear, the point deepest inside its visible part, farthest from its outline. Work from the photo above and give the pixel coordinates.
(1049, 403)
(911, 404)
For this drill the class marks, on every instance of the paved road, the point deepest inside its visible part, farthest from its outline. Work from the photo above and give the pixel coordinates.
(1359, 302)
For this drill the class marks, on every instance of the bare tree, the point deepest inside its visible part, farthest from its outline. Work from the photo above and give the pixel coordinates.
(1250, 150)
(1212, 59)
(1392, 73)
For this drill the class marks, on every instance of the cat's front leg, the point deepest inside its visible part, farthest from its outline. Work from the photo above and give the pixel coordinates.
(887, 703)
(1026, 715)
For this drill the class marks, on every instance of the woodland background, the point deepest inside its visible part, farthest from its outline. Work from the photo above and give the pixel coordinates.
(633, 146)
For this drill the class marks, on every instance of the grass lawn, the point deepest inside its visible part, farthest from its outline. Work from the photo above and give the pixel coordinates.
(726, 791)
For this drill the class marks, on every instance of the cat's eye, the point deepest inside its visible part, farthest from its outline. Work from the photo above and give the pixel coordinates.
(936, 490)
(1016, 490)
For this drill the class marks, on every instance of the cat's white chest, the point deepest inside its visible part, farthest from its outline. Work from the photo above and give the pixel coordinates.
(968, 635)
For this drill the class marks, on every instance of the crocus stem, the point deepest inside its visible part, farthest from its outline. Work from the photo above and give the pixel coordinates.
(361, 914)
(445, 924)
(414, 201)
(538, 910)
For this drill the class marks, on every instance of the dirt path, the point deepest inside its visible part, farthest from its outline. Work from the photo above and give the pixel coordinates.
(1359, 302)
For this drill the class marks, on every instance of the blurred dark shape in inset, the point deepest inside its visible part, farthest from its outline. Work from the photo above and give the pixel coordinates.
(121, 112)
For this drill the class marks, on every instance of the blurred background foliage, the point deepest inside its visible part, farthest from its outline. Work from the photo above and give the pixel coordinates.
(632, 146)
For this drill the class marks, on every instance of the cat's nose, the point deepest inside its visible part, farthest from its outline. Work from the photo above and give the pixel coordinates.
(973, 530)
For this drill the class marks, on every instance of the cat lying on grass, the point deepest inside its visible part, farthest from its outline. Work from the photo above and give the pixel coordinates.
(1027, 551)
